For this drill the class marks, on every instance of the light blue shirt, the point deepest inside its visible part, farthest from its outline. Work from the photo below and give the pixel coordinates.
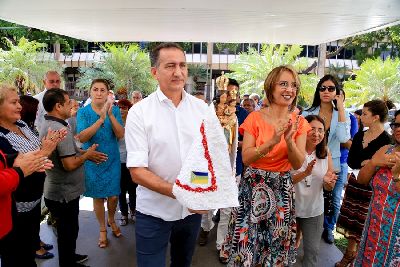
(339, 133)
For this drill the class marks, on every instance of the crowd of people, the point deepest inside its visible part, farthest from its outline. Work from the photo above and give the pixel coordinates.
(292, 168)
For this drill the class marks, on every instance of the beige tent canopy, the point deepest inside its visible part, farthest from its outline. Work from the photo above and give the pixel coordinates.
(252, 21)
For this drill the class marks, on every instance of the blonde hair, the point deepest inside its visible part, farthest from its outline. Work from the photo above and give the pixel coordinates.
(4, 89)
(272, 79)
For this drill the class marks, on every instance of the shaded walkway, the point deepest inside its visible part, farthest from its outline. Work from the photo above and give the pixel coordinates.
(121, 252)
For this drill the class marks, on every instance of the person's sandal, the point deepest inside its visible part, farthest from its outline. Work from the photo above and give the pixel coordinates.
(347, 260)
(123, 221)
(115, 229)
(103, 242)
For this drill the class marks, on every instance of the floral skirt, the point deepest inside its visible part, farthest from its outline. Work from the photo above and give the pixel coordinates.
(262, 230)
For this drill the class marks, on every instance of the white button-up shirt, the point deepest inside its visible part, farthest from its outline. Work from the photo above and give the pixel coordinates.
(41, 111)
(158, 136)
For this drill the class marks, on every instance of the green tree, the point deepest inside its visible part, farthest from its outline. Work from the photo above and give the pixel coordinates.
(227, 47)
(251, 69)
(14, 32)
(25, 64)
(375, 79)
(127, 67)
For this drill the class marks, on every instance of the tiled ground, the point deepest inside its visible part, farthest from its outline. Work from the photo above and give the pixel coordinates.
(121, 252)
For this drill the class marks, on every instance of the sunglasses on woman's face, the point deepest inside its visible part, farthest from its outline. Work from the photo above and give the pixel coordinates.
(329, 88)
(394, 125)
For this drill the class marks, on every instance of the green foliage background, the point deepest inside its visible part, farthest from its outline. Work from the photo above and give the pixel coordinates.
(27, 62)
(251, 69)
(125, 66)
(376, 79)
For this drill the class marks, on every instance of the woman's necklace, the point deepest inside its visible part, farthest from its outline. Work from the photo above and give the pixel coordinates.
(369, 136)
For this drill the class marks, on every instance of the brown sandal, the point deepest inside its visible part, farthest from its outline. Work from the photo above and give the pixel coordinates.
(103, 242)
(347, 259)
(115, 229)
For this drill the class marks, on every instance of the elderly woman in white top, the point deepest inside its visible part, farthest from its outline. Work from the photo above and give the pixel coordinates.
(315, 174)
(328, 104)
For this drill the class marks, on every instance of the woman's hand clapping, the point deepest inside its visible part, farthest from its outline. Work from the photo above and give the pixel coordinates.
(330, 180)
(32, 162)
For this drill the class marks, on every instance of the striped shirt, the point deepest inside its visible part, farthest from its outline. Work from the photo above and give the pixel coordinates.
(30, 189)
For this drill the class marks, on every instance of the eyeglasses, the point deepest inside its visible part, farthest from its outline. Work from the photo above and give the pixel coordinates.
(394, 125)
(330, 88)
(285, 85)
(317, 130)
(123, 107)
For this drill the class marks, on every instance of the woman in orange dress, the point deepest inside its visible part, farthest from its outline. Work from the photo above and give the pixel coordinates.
(262, 230)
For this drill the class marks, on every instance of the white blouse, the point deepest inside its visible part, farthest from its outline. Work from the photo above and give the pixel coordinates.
(309, 191)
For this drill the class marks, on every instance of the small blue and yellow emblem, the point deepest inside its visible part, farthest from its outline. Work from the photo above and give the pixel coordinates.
(199, 177)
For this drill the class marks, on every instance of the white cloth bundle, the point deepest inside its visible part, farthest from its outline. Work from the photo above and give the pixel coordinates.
(207, 178)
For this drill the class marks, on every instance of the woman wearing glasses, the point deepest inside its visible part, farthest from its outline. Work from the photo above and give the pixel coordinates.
(357, 198)
(315, 174)
(379, 245)
(262, 230)
(328, 104)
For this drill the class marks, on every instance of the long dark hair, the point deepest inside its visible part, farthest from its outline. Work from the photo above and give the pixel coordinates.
(321, 150)
(317, 99)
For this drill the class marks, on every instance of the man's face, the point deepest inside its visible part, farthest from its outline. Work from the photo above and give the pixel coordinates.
(65, 110)
(136, 97)
(248, 105)
(53, 80)
(171, 71)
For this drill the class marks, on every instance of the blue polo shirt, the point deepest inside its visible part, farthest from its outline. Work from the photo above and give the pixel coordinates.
(344, 152)
(241, 114)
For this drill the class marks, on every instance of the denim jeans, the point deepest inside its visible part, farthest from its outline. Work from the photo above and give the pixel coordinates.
(153, 235)
(330, 221)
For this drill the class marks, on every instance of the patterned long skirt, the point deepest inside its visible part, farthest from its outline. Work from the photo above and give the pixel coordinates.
(354, 209)
(262, 230)
(380, 243)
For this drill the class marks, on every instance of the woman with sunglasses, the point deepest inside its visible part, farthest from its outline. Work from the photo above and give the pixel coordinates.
(357, 197)
(328, 104)
(379, 244)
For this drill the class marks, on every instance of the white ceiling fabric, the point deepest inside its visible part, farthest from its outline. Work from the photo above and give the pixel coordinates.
(253, 21)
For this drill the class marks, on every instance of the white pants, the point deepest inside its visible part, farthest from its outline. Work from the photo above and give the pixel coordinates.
(206, 221)
(224, 215)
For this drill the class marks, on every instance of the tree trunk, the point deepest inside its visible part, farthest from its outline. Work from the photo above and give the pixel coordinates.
(321, 60)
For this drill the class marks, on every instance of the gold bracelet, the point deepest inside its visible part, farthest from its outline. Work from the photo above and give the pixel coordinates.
(259, 154)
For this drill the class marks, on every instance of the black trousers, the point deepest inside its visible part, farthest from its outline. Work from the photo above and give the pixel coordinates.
(66, 217)
(19, 246)
(127, 185)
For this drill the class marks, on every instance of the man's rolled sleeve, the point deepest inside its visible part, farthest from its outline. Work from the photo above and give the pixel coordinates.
(136, 139)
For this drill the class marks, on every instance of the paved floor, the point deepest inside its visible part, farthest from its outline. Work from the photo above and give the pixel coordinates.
(121, 252)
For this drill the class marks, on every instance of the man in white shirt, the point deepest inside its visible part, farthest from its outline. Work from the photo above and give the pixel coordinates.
(51, 80)
(159, 132)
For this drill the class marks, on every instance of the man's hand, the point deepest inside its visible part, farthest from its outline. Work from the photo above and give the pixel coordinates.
(198, 211)
(50, 141)
(95, 156)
